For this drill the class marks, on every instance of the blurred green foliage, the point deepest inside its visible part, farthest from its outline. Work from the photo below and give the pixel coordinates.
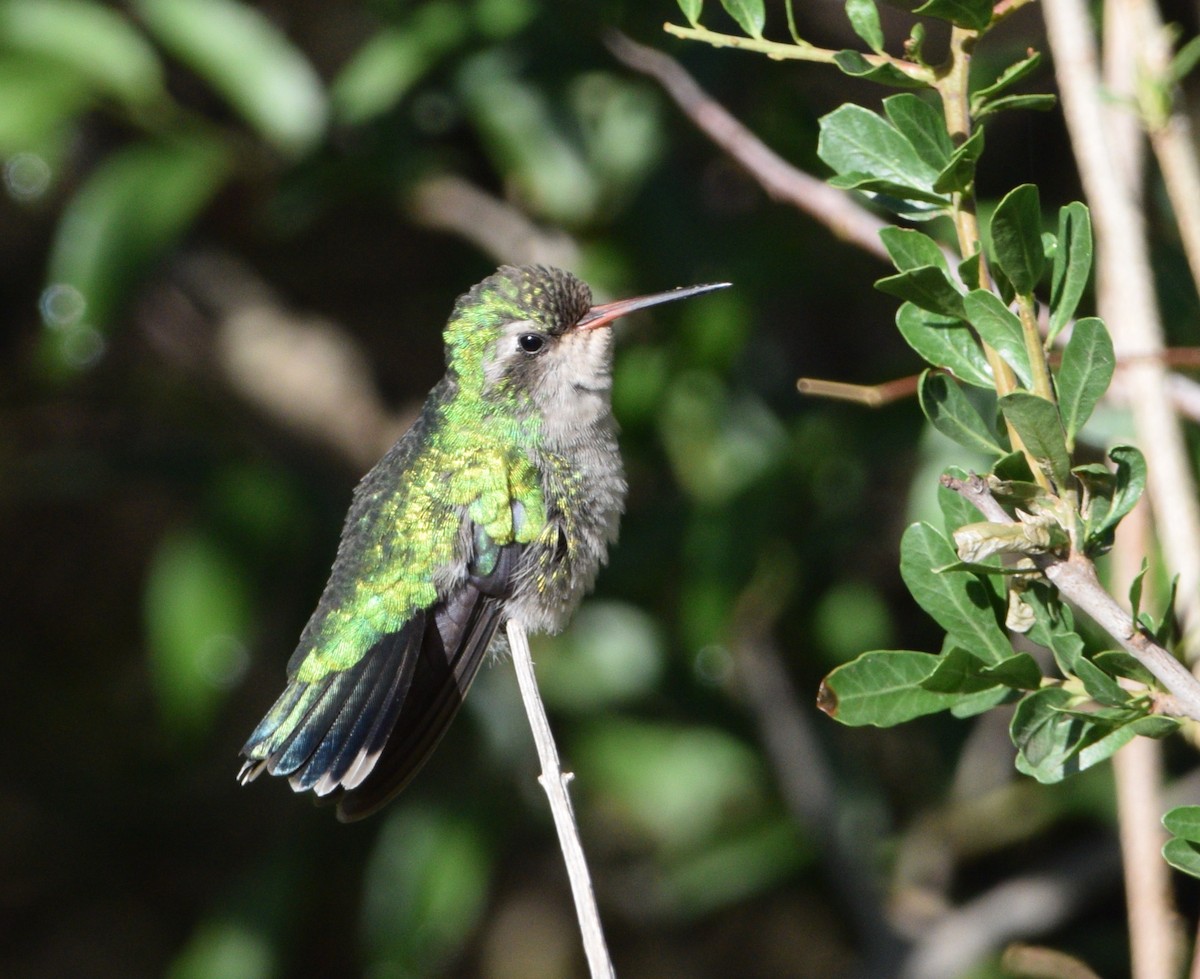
(167, 533)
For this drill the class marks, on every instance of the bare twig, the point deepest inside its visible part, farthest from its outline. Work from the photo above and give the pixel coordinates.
(1137, 769)
(1137, 772)
(304, 371)
(1075, 577)
(782, 181)
(1033, 962)
(799, 51)
(1127, 302)
(1194, 972)
(871, 395)
(1019, 907)
(1165, 116)
(554, 780)
(1119, 67)
(494, 226)
(801, 768)
(1183, 391)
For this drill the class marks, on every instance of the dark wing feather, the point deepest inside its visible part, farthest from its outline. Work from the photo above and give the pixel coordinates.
(342, 707)
(364, 732)
(460, 632)
(347, 733)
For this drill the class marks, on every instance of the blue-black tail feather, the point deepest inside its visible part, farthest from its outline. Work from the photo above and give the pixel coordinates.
(366, 731)
(460, 631)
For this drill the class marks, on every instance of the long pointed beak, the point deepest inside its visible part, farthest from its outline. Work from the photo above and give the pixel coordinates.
(604, 314)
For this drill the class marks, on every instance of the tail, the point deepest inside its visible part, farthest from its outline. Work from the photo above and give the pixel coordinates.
(358, 736)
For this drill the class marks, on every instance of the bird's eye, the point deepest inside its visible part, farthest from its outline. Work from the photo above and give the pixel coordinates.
(531, 343)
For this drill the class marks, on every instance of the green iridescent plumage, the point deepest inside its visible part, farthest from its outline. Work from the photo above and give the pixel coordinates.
(500, 502)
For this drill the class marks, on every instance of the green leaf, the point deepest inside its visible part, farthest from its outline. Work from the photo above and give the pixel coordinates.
(394, 59)
(1183, 822)
(957, 672)
(673, 783)
(972, 14)
(1002, 286)
(882, 688)
(246, 58)
(1184, 61)
(527, 137)
(857, 141)
(197, 609)
(1084, 375)
(1020, 671)
(960, 672)
(1131, 481)
(864, 18)
(749, 14)
(960, 602)
(1072, 264)
(912, 249)
(1099, 746)
(1016, 233)
(972, 704)
(1054, 626)
(1045, 737)
(691, 10)
(949, 411)
(946, 342)
(914, 46)
(88, 38)
(1182, 855)
(999, 327)
(1167, 631)
(929, 287)
(959, 172)
(1055, 741)
(852, 63)
(1100, 485)
(1010, 76)
(126, 214)
(1036, 421)
(968, 270)
(422, 891)
(612, 653)
(1030, 103)
(919, 122)
(38, 101)
(1101, 687)
(1117, 662)
(883, 189)
(1016, 486)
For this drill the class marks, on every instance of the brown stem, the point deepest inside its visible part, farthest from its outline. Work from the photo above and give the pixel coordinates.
(782, 181)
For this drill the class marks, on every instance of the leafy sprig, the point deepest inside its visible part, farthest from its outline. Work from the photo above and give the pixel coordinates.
(993, 388)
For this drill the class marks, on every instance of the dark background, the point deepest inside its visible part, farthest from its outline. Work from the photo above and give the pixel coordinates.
(168, 517)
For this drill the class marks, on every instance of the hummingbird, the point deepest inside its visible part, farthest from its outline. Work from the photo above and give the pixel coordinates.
(499, 503)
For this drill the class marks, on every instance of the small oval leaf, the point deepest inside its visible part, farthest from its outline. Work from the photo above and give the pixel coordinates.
(1016, 233)
(949, 411)
(1087, 368)
(249, 60)
(749, 14)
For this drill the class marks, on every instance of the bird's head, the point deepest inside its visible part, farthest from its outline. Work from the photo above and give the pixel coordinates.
(533, 330)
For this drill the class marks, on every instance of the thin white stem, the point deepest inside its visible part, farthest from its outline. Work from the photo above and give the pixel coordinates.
(554, 780)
